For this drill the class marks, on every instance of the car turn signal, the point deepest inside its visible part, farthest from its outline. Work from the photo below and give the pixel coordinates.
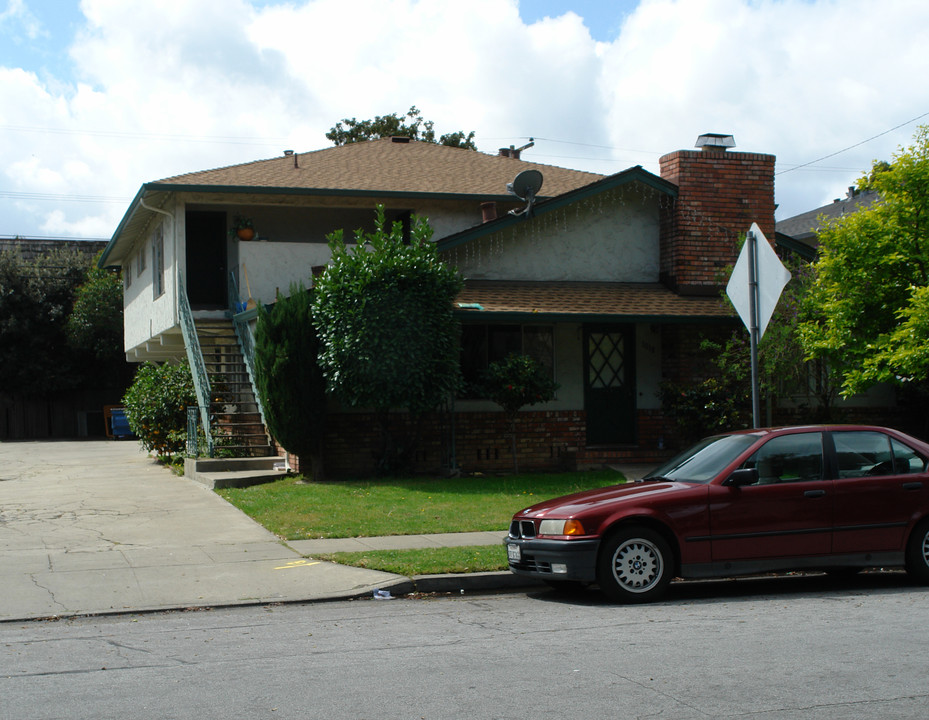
(573, 527)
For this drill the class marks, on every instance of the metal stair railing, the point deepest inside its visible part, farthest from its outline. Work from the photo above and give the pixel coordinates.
(246, 338)
(195, 359)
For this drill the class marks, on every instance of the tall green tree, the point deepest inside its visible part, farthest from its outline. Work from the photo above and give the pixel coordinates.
(389, 339)
(95, 326)
(867, 314)
(289, 380)
(36, 298)
(411, 125)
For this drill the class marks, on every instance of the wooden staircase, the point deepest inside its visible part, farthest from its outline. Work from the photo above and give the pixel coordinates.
(235, 419)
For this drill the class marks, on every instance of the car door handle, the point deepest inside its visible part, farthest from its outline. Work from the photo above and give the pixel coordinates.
(912, 486)
(814, 493)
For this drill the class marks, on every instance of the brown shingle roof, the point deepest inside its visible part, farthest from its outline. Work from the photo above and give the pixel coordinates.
(585, 301)
(387, 166)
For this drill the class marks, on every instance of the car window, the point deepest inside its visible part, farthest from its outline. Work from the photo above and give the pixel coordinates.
(705, 460)
(789, 458)
(906, 459)
(860, 453)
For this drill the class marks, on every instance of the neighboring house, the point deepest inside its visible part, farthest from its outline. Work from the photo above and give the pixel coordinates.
(610, 281)
(801, 232)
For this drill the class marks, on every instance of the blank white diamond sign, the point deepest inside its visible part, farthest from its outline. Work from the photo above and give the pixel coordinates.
(772, 276)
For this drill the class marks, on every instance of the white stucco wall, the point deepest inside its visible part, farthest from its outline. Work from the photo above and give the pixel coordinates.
(144, 315)
(272, 266)
(611, 237)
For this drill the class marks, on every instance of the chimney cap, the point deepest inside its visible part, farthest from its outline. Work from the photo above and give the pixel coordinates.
(715, 141)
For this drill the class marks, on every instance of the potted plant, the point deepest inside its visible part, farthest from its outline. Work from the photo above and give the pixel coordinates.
(242, 228)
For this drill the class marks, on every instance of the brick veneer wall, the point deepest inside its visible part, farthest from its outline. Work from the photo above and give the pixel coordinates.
(720, 194)
(546, 441)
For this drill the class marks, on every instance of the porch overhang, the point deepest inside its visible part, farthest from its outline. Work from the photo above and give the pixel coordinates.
(584, 302)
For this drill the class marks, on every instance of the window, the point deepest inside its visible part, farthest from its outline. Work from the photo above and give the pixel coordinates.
(861, 454)
(789, 458)
(158, 262)
(906, 460)
(127, 274)
(141, 265)
(484, 344)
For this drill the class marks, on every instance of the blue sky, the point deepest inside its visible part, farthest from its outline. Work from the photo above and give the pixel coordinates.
(98, 97)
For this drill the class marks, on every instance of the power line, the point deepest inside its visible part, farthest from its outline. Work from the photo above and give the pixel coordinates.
(839, 152)
(73, 198)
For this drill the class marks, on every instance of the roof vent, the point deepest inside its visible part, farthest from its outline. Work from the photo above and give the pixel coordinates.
(399, 139)
(715, 141)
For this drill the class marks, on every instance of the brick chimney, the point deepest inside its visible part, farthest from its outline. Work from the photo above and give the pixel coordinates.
(720, 194)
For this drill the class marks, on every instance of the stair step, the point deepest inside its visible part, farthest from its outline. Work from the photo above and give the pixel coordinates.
(236, 421)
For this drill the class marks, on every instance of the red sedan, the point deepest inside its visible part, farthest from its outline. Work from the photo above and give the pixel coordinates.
(837, 498)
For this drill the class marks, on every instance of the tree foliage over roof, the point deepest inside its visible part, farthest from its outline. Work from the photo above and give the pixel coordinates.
(867, 313)
(411, 125)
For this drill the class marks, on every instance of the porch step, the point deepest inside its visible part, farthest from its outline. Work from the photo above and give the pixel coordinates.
(235, 472)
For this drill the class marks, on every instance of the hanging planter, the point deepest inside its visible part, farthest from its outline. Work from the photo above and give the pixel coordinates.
(242, 228)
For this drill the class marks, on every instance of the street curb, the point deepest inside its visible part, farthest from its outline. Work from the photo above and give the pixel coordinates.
(462, 582)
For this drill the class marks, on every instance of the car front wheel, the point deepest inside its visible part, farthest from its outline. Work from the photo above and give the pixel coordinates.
(917, 553)
(634, 566)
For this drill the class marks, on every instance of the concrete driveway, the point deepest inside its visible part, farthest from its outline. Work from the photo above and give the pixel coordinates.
(97, 526)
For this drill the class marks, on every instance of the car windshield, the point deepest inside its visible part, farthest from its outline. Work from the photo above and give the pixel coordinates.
(703, 461)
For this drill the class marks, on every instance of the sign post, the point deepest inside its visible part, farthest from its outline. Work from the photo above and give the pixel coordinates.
(756, 284)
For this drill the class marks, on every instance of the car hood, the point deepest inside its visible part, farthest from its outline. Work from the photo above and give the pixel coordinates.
(574, 505)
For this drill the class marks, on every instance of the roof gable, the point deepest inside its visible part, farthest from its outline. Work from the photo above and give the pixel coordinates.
(603, 184)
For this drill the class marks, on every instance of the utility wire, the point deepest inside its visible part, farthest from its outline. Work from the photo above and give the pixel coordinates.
(839, 152)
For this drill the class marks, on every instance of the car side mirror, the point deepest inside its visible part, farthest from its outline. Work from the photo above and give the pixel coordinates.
(742, 476)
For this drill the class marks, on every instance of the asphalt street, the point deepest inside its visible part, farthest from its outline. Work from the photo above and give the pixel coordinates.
(793, 648)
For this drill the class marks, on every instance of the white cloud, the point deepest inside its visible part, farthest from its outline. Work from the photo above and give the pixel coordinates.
(182, 85)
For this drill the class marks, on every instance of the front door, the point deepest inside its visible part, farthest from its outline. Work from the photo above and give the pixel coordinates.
(609, 384)
(206, 260)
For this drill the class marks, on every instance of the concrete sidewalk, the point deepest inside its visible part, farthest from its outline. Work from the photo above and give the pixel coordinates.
(97, 526)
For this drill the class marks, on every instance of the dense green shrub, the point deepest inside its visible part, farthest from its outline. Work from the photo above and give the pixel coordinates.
(156, 406)
(387, 329)
(288, 377)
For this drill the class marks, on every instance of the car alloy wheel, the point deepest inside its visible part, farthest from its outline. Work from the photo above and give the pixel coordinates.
(634, 566)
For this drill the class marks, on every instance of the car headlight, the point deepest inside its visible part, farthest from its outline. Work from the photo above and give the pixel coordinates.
(561, 527)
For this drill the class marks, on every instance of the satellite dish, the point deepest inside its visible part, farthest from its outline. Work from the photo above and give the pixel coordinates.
(526, 186)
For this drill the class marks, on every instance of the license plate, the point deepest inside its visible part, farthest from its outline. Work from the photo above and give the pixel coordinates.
(513, 554)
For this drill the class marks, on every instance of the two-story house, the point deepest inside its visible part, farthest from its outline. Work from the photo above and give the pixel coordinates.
(609, 281)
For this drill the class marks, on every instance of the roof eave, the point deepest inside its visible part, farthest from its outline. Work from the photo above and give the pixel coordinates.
(527, 317)
(110, 246)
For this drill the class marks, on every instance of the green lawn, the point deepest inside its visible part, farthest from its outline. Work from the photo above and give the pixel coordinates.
(297, 510)
(428, 561)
